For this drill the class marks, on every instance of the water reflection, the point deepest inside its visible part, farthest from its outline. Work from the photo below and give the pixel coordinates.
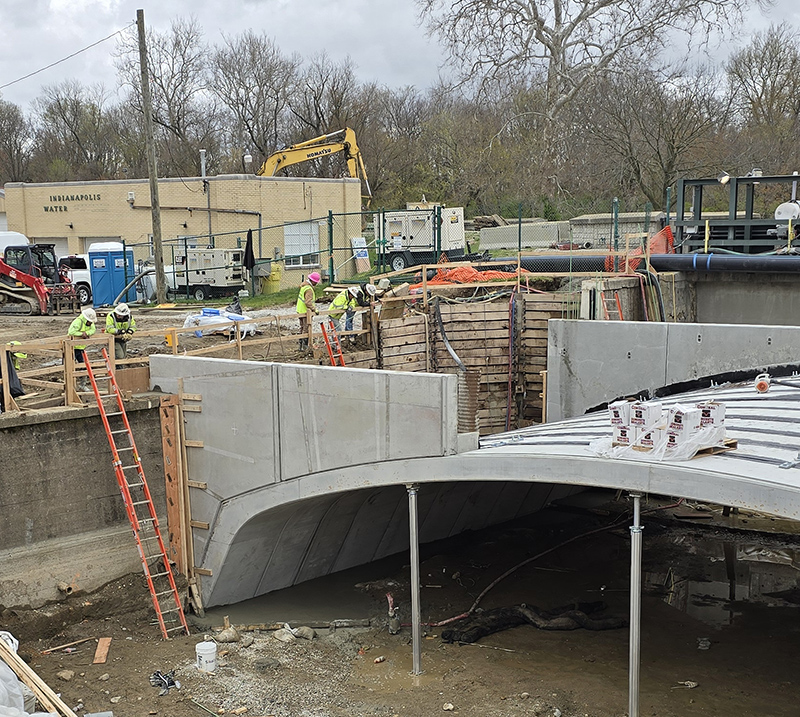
(716, 579)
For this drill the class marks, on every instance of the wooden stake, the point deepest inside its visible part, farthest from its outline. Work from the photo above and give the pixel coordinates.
(68, 644)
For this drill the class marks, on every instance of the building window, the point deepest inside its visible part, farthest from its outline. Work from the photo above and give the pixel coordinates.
(301, 244)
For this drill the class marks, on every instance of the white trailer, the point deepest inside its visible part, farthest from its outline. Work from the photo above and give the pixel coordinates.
(411, 236)
(207, 272)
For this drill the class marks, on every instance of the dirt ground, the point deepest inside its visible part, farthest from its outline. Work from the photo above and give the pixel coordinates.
(750, 667)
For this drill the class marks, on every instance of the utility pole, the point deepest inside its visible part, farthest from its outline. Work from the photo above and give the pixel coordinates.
(152, 170)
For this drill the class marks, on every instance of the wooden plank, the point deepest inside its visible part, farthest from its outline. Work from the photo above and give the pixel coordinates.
(477, 325)
(408, 340)
(173, 476)
(193, 444)
(199, 524)
(401, 322)
(474, 334)
(411, 350)
(45, 695)
(193, 409)
(134, 380)
(418, 366)
(203, 571)
(101, 653)
(474, 352)
(200, 485)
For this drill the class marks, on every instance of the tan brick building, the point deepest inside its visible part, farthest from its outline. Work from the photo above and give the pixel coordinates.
(289, 217)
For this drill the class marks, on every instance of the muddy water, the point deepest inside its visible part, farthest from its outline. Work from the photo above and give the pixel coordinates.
(719, 610)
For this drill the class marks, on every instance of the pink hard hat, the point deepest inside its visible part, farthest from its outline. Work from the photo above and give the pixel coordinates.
(314, 277)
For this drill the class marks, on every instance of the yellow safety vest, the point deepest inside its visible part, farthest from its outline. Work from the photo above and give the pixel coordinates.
(79, 326)
(343, 301)
(116, 327)
(301, 307)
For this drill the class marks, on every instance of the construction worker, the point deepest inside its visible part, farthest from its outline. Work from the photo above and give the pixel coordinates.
(16, 356)
(83, 327)
(305, 304)
(344, 304)
(121, 325)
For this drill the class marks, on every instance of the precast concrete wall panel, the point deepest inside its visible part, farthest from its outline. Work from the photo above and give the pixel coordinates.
(588, 359)
(593, 362)
(695, 350)
(348, 414)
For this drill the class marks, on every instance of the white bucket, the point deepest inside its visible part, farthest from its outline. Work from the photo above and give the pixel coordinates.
(206, 656)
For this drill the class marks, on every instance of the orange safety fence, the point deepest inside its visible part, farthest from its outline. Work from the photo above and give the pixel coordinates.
(467, 275)
(662, 242)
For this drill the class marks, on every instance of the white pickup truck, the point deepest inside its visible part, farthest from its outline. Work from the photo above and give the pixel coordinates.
(76, 268)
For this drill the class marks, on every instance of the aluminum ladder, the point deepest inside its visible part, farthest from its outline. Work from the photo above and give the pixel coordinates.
(332, 343)
(138, 501)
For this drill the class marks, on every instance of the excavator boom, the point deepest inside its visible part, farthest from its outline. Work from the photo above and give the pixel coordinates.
(343, 140)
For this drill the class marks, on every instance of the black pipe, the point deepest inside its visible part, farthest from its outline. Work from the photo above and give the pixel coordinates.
(776, 264)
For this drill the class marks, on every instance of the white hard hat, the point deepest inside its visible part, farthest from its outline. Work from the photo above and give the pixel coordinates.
(122, 310)
(371, 289)
(355, 290)
(89, 314)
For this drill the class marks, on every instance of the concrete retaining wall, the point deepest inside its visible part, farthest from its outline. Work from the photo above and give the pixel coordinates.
(62, 512)
(591, 362)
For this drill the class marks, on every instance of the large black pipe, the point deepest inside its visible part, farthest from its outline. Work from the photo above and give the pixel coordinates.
(772, 264)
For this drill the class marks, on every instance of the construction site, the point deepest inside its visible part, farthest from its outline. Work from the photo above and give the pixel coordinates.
(436, 496)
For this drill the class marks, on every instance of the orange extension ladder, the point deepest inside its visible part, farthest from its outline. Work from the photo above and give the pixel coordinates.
(332, 343)
(612, 306)
(138, 502)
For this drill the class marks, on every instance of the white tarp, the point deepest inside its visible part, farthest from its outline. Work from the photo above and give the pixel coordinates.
(209, 317)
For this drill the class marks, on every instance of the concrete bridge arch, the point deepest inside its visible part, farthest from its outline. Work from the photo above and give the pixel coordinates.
(306, 467)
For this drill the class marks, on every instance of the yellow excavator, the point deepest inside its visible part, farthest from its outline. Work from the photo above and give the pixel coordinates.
(343, 140)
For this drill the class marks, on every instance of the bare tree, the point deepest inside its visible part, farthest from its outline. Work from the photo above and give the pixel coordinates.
(15, 144)
(327, 97)
(183, 107)
(766, 75)
(659, 125)
(77, 130)
(254, 80)
(565, 43)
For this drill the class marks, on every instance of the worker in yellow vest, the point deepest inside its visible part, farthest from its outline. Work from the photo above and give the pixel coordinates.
(344, 305)
(83, 327)
(305, 304)
(16, 356)
(121, 325)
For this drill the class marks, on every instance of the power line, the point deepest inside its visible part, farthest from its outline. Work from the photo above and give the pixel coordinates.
(64, 59)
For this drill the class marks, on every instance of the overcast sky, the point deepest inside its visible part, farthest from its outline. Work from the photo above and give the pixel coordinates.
(382, 37)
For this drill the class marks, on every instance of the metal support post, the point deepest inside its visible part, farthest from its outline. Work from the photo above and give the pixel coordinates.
(331, 268)
(416, 618)
(634, 657)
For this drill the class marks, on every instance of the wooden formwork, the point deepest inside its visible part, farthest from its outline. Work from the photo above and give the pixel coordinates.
(537, 310)
(508, 354)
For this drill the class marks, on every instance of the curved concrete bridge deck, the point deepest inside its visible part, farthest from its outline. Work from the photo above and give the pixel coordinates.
(306, 466)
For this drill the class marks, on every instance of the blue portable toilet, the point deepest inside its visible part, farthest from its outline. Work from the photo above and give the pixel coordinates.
(111, 268)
